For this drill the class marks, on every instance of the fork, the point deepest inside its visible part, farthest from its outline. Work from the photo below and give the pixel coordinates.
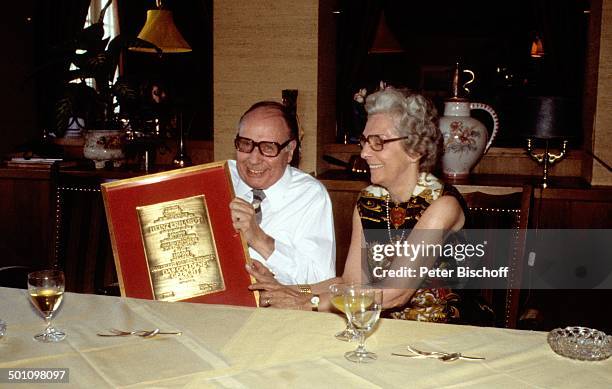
(445, 357)
(141, 333)
(425, 353)
(146, 333)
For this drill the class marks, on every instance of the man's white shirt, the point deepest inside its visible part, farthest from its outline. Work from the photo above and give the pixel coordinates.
(297, 214)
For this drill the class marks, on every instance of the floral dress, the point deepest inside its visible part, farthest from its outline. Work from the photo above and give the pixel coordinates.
(429, 303)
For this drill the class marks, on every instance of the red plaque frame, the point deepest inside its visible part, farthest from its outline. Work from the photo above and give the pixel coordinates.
(213, 181)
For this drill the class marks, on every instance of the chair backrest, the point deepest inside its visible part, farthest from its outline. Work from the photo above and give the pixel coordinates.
(494, 208)
(81, 243)
(15, 276)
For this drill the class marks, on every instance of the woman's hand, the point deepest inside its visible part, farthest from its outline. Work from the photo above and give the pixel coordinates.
(274, 294)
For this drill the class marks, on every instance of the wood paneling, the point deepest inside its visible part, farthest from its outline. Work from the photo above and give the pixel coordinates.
(25, 212)
(497, 161)
(602, 120)
(263, 47)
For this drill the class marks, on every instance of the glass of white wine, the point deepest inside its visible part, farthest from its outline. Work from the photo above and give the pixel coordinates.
(348, 334)
(46, 291)
(362, 305)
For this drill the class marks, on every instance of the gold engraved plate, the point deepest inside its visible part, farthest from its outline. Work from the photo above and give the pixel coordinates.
(180, 249)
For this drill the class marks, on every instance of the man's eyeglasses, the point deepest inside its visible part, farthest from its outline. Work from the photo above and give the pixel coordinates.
(269, 149)
(376, 142)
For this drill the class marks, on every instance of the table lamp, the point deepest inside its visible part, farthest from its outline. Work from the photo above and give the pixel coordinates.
(160, 30)
(548, 118)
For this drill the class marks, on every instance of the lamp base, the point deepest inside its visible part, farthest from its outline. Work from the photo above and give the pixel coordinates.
(546, 158)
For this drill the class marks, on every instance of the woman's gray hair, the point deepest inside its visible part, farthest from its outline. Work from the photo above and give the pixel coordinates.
(413, 116)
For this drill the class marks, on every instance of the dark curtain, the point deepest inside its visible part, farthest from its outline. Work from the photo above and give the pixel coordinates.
(56, 23)
(560, 72)
(560, 22)
(356, 29)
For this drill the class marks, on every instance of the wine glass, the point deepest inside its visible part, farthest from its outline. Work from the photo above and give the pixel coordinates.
(362, 305)
(348, 334)
(46, 291)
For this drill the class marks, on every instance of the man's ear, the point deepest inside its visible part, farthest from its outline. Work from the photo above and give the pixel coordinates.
(290, 149)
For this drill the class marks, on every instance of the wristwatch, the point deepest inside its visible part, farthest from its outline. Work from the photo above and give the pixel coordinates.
(314, 302)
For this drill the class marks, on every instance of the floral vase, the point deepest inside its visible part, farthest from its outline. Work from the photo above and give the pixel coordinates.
(465, 138)
(104, 145)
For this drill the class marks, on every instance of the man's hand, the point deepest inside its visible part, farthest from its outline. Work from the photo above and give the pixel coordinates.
(260, 272)
(243, 220)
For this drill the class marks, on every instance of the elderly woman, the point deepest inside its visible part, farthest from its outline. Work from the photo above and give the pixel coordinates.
(401, 145)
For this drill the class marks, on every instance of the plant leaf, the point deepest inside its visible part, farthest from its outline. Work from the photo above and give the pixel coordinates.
(89, 38)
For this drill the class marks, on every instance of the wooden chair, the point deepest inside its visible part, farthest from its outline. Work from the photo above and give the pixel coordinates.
(15, 276)
(81, 243)
(494, 208)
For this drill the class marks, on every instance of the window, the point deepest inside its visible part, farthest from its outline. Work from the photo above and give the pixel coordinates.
(111, 27)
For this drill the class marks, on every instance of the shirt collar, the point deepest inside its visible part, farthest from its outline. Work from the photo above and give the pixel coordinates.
(278, 190)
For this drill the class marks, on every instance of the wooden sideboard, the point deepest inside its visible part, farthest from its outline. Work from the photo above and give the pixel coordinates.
(26, 214)
(57, 218)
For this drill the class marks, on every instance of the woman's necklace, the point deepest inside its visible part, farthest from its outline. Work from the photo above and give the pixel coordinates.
(395, 216)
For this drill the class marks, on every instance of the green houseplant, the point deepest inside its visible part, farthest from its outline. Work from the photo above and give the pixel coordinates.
(97, 59)
(104, 107)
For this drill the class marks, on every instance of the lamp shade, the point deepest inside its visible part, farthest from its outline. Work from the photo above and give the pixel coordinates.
(384, 40)
(160, 30)
(547, 117)
(537, 48)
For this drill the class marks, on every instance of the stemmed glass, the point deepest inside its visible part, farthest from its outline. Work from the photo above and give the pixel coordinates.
(46, 291)
(348, 334)
(362, 305)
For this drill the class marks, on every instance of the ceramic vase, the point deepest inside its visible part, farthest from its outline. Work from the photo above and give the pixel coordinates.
(104, 145)
(465, 138)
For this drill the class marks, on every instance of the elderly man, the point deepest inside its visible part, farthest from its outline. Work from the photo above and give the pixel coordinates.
(284, 213)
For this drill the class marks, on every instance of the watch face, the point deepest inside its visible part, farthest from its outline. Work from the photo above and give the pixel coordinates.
(315, 300)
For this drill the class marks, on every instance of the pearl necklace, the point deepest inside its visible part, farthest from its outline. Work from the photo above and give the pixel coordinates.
(389, 222)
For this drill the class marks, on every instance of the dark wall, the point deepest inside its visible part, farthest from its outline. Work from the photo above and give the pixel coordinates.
(18, 122)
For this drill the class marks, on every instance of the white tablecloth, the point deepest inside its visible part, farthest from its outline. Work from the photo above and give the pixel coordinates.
(225, 346)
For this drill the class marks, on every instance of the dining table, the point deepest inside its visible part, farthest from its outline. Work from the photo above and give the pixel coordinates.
(225, 346)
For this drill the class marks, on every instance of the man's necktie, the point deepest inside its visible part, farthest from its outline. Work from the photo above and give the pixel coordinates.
(258, 197)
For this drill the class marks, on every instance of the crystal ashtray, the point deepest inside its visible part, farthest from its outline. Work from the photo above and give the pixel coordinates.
(581, 343)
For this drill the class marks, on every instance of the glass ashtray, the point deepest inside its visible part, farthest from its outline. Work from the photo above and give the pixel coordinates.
(582, 343)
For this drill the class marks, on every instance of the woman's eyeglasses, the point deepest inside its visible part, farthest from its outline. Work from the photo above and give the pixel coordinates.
(376, 142)
(268, 149)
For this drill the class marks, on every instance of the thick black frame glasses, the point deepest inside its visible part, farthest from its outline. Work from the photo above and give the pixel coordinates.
(268, 149)
(376, 142)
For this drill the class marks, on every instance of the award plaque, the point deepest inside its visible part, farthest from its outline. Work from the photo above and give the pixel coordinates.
(173, 239)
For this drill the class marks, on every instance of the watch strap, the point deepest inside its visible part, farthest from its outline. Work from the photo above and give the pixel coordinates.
(304, 288)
